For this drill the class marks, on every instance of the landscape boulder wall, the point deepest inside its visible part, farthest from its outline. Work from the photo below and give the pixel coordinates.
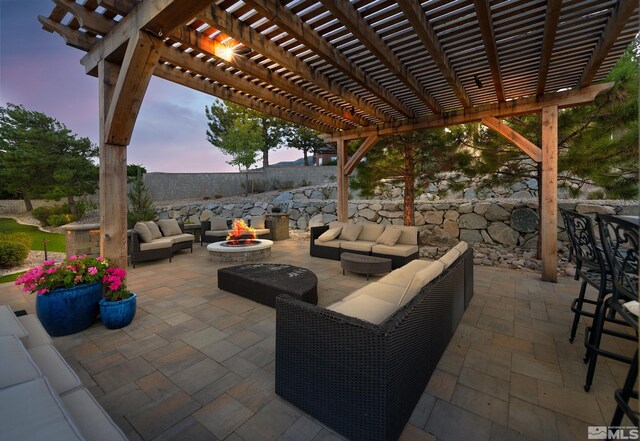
(510, 222)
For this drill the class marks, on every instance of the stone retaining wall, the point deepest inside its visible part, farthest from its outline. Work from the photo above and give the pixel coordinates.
(508, 222)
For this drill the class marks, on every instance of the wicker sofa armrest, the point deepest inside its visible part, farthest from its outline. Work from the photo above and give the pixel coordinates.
(204, 227)
(134, 241)
(316, 232)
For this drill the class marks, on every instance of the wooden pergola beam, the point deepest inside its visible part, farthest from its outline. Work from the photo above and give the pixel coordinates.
(569, 98)
(155, 16)
(549, 188)
(231, 26)
(624, 10)
(141, 58)
(349, 16)
(483, 12)
(424, 30)
(71, 37)
(201, 84)
(122, 7)
(551, 20)
(280, 15)
(532, 150)
(342, 183)
(89, 20)
(355, 159)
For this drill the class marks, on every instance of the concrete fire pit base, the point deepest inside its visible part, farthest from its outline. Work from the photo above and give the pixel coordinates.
(219, 252)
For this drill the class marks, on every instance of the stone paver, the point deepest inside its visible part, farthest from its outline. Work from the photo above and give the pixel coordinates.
(197, 363)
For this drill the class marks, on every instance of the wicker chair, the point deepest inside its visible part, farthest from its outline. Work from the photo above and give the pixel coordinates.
(138, 255)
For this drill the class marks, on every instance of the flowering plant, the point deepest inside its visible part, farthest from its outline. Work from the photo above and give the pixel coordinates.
(76, 270)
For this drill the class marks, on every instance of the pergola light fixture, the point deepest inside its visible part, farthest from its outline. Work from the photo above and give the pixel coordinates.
(476, 80)
(223, 51)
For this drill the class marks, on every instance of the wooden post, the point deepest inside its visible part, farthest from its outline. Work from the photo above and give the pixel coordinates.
(549, 207)
(343, 182)
(113, 177)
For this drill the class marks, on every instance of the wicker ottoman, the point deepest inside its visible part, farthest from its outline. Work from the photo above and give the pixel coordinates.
(263, 282)
(362, 264)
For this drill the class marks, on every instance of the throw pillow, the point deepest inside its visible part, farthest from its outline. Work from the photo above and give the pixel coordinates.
(257, 222)
(218, 223)
(390, 236)
(329, 234)
(155, 231)
(350, 232)
(143, 232)
(169, 227)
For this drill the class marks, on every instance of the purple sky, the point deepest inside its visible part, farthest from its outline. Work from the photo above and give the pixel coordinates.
(40, 72)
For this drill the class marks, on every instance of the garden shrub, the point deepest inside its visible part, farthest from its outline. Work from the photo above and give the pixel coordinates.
(22, 238)
(12, 254)
(55, 220)
(44, 214)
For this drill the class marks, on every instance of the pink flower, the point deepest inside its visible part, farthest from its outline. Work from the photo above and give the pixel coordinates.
(93, 270)
(77, 279)
(48, 262)
(42, 291)
(72, 258)
(50, 271)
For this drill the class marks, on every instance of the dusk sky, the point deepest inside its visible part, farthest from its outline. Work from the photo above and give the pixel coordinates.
(40, 72)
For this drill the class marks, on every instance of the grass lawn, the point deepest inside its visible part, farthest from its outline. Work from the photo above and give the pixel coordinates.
(55, 242)
(11, 277)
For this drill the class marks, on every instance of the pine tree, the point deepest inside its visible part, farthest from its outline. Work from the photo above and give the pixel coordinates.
(140, 204)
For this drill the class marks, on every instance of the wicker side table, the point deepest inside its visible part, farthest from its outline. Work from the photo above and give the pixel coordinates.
(362, 264)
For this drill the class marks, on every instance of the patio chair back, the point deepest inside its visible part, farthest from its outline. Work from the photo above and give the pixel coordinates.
(620, 243)
(588, 256)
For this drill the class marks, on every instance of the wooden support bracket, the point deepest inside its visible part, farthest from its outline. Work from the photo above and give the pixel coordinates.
(354, 160)
(532, 150)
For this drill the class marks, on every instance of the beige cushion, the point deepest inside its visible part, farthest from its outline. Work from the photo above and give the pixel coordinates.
(183, 237)
(53, 366)
(332, 243)
(155, 231)
(403, 275)
(351, 232)
(218, 223)
(336, 224)
(450, 257)
(157, 244)
(409, 235)
(396, 250)
(462, 247)
(257, 222)
(143, 232)
(169, 227)
(366, 308)
(330, 234)
(32, 411)
(381, 291)
(390, 236)
(262, 231)
(358, 245)
(37, 335)
(420, 279)
(10, 325)
(371, 232)
(224, 233)
(90, 418)
(16, 366)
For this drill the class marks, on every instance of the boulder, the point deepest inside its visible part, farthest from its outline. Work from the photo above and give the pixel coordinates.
(532, 184)
(352, 209)
(433, 217)
(316, 221)
(470, 236)
(282, 197)
(294, 214)
(486, 237)
(469, 193)
(451, 214)
(594, 209)
(524, 194)
(391, 214)
(472, 221)
(256, 211)
(376, 207)
(524, 220)
(315, 194)
(390, 207)
(502, 233)
(311, 210)
(369, 214)
(303, 222)
(496, 213)
(465, 208)
(419, 219)
(451, 228)
(299, 197)
(481, 208)
(329, 208)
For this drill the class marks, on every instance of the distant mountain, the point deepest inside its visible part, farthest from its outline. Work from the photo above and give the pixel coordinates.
(289, 163)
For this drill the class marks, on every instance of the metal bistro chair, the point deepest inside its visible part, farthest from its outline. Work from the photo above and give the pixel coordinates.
(620, 243)
(591, 266)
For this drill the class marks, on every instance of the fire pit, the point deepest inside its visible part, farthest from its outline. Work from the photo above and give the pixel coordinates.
(241, 245)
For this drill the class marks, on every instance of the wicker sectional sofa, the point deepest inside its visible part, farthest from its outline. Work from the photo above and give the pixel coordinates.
(362, 378)
(403, 251)
(161, 240)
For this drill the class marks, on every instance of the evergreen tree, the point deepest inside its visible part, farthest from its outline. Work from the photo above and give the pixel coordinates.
(414, 157)
(305, 139)
(140, 204)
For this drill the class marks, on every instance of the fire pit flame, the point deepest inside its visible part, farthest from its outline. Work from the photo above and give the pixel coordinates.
(241, 233)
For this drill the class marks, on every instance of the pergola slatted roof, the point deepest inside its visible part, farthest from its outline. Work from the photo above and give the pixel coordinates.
(350, 69)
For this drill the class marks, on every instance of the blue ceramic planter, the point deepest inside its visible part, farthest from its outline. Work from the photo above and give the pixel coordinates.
(66, 311)
(118, 314)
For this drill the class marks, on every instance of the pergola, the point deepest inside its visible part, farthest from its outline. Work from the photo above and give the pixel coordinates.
(356, 69)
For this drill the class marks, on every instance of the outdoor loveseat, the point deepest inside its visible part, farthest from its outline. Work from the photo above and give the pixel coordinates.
(363, 378)
(161, 240)
(365, 239)
(217, 228)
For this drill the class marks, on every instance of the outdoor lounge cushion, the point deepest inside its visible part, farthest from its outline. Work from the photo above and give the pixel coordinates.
(409, 235)
(330, 234)
(169, 227)
(363, 246)
(155, 231)
(420, 279)
(157, 244)
(37, 335)
(396, 250)
(262, 231)
(31, 411)
(350, 232)
(90, 418)
(143, 232)
(390, 236)
(381, 291)
(257, 222)
(462, 247)
(332, 243)
(16, 366)
(182, 237)
(366, 308)
(218, 223)
(217, 233)
(403, 275)
(10, 325)
(450, 257)
(370, 232)
(61, 377)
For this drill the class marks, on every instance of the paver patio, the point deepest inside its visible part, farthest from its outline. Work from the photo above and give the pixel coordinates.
(198, 363)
